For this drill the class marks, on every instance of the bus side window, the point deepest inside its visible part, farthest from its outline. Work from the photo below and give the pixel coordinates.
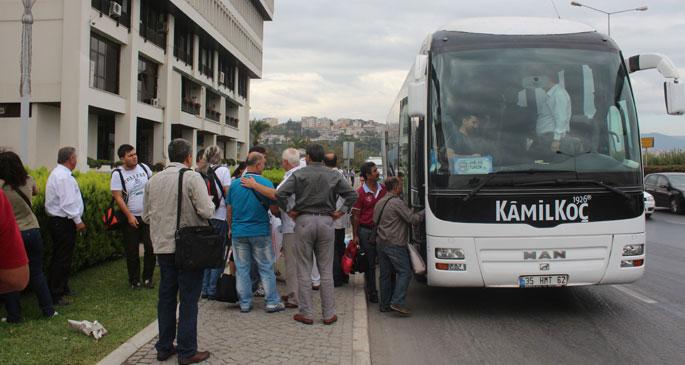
(616, 136)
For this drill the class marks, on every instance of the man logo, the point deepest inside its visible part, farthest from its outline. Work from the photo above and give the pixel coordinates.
(544, 255)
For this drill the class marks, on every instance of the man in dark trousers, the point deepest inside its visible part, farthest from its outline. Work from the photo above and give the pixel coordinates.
(369, 194)
(394, 218)
(339, 277)
(177, 285)
(64, 206)
(316, 190)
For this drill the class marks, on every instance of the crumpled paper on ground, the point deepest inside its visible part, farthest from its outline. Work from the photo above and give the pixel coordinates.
(88, 328)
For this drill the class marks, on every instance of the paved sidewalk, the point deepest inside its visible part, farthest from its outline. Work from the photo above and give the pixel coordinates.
(262, 338)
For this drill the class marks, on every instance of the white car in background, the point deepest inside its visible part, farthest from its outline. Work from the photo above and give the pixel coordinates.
(649, 204)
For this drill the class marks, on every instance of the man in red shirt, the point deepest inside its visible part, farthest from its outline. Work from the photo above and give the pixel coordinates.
(14, 269)
(369, 194)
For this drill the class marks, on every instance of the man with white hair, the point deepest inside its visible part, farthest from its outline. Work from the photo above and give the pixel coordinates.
(290, 162)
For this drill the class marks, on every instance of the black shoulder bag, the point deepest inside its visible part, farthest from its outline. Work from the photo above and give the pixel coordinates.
(197, 247)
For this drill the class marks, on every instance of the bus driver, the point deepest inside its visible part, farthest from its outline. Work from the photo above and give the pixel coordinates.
(462, 141)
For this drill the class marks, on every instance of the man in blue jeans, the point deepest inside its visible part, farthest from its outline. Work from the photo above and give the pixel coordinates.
(251, 235)
(160, 212)
(393, 218)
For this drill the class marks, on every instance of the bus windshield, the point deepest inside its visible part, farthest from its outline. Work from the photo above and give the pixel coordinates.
(531, 110)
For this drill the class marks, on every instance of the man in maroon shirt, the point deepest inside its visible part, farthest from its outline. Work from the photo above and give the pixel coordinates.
(369, 193)
(14, 269)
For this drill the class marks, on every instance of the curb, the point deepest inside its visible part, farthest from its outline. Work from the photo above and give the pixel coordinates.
(128, 348)
(361, 354)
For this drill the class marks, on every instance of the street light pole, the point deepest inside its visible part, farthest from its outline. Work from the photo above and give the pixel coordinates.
(25, 84)
(608, 13)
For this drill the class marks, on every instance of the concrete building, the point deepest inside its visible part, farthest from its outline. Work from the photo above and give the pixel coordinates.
(108, 72)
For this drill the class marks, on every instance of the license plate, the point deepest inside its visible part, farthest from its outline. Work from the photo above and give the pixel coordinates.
(534, 281)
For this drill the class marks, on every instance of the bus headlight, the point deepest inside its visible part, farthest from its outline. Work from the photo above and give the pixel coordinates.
(633, 250)
(449, 253)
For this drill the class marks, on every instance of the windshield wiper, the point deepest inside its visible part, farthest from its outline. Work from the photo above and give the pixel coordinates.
(491, 176)
(578, 181)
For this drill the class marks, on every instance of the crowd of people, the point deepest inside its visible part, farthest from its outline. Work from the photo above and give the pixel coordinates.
(305, 218)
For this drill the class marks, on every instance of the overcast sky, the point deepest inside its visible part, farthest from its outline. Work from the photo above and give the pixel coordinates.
(349, 58)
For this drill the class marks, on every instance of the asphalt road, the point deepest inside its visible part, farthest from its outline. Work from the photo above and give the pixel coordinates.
(643, 322)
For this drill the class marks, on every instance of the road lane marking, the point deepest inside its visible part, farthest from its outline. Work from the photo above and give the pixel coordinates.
(673, 222)
(634, 294)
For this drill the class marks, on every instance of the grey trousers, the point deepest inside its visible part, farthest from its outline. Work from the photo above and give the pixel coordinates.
(290, 253)
(315, 235)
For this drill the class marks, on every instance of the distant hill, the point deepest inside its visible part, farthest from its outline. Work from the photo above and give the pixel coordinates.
(665, 143)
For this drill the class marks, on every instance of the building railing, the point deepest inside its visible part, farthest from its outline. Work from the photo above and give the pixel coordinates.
(213, 115)
(186, 57)
(104, 6)
(207, 70)
(190, 106)
(232, 122)
(155, 36)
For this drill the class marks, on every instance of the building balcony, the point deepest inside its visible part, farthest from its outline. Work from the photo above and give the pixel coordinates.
(191, 107)
(232, 122)
(121, 14)
(185, 57)
(156, 36)
(213, 115)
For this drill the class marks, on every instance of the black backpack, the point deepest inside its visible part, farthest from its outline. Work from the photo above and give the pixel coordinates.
(211, 180)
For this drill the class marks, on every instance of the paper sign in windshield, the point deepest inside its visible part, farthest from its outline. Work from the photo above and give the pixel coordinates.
(471, 165)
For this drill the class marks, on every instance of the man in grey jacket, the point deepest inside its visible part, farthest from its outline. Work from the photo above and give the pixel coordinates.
(393, 218)
(316, 190)
(159, 211)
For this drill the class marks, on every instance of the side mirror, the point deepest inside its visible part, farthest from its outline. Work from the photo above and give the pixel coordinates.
(674, 93)
(417, 105)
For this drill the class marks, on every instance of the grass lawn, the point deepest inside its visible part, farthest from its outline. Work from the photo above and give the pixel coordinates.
(103, 294)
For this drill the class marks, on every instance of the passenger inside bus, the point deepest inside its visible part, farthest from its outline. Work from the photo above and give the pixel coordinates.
(461, 139)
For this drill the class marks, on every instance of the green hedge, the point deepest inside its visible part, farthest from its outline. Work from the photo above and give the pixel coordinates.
(95, 245)
(664, 168)
(275, 175)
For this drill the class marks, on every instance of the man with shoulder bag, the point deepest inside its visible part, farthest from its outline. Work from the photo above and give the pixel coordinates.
(128, 187)
(393, 218)
(176, 201)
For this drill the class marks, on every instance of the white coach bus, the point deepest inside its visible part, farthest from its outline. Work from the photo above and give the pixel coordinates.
(520, 138)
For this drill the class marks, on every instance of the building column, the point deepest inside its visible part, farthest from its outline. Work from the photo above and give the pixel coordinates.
(190, 135)
(158, 146)
(196, 55)
(73, 129)
(203, 102)
(125, 124)
(215, 71)
(166, 94)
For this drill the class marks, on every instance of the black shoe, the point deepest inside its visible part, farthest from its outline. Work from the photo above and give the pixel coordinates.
(163, 356)
(384, 308)
(148, 284)
(373, 298)
(136, 286)
(204, 296)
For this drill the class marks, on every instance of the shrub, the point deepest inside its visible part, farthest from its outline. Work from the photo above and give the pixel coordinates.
(275, 175)
(95, 245)
(664, 168)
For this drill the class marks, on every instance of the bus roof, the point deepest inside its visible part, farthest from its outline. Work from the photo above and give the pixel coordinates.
(517, 26)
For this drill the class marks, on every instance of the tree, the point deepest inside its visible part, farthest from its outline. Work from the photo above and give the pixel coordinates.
(257, 128)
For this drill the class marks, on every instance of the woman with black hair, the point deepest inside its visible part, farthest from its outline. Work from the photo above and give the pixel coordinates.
(18, 186)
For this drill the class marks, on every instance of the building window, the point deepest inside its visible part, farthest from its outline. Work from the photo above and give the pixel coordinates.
(106, 7)
(183, 43)
(206, 59)
(242, 83)
(13, 110)
(153, 22)
(227, 71)
(147, 80)
(104, 64)
(105, 150)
